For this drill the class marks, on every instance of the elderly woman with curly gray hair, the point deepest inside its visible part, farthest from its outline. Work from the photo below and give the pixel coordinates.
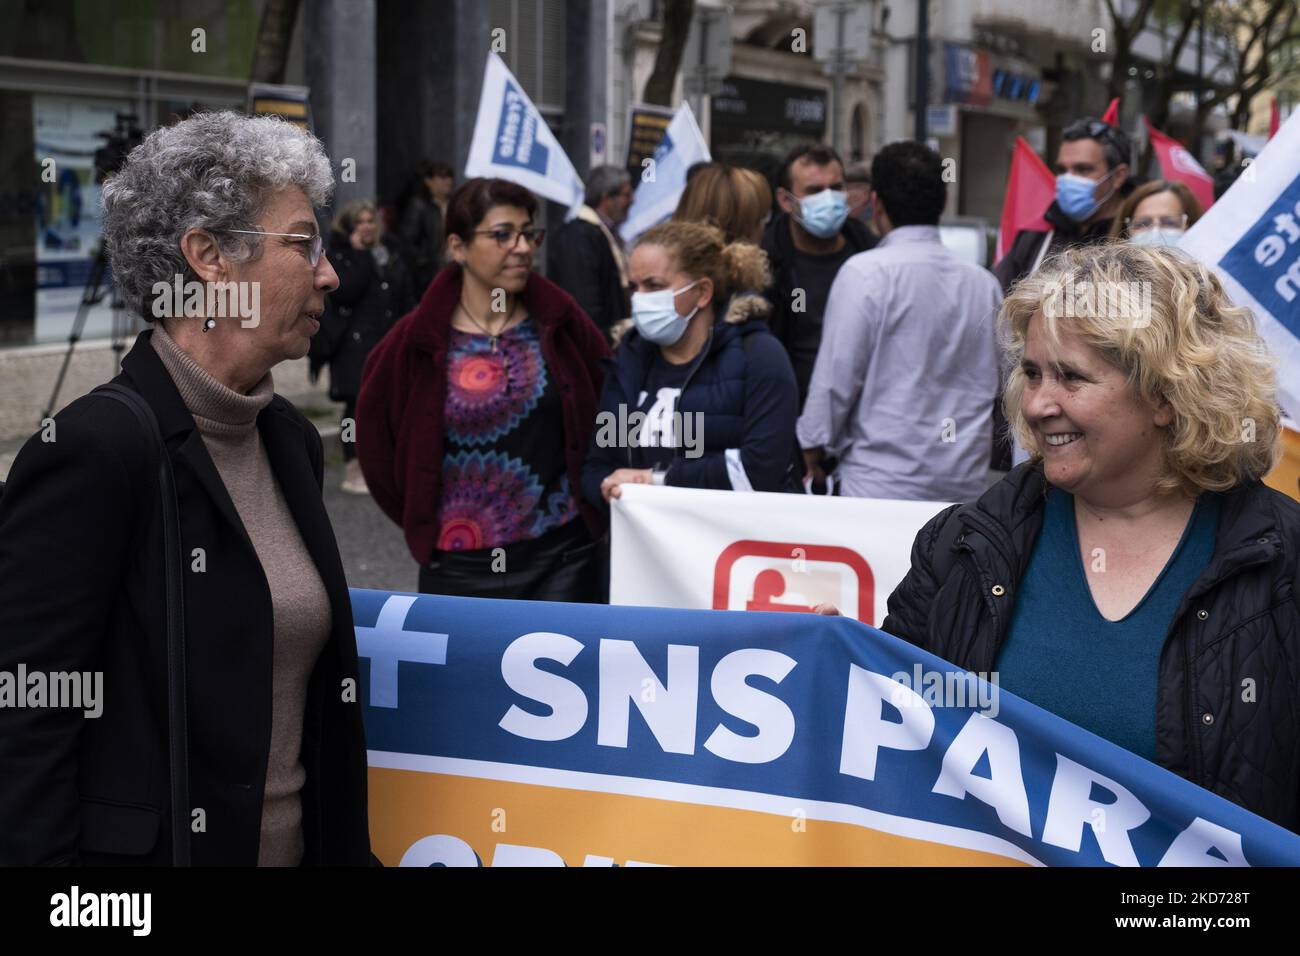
(1135, 576)
(169, 535)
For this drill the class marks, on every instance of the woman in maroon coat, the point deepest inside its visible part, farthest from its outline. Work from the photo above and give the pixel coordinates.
(476, 410)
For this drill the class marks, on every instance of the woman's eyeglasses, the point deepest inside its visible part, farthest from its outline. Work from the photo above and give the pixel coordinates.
(315, 250)
(1151, 222)
(506, 238)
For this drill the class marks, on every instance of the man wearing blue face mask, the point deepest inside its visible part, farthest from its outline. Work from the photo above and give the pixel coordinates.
(902, 391)
(1092, 181)
(806, 243)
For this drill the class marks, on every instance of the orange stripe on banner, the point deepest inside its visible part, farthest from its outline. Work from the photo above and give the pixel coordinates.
(406, 806)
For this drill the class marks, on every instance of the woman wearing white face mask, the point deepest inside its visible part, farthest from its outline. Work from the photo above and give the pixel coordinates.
(1157, 214)
(700, 394)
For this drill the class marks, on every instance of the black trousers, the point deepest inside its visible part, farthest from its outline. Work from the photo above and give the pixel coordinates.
(561, 565)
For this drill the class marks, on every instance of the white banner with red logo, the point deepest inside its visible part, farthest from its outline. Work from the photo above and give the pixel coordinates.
(733, 550)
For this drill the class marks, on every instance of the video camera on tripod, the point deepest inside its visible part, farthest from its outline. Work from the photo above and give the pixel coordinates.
(125, 136)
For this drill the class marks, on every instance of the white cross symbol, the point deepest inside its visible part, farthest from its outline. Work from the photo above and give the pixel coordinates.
(388, 643)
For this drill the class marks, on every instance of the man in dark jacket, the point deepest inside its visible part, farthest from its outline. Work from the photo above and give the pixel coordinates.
(586, 256)
(1080, 215)
(421, 228)
(806, 243)
(1240, 620)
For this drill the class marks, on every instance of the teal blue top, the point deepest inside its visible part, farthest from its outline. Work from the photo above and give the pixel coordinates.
(1062, 654)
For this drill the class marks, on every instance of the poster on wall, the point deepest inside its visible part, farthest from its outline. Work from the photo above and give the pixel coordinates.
(67, 133)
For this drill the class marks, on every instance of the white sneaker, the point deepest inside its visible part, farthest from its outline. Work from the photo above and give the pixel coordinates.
(354, 483)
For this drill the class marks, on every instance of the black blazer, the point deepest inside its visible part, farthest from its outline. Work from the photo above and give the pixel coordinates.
(581, 263)
(81, 589)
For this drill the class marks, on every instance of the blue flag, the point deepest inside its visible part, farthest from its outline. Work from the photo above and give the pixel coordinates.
(516, 732)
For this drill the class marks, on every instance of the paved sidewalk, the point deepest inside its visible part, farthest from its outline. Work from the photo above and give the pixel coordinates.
(373, 549)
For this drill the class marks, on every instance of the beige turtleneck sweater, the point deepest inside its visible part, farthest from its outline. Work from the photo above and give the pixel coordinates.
(300, 606)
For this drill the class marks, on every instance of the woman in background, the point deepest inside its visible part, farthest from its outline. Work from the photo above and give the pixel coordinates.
(700, 352)
(476, 409)
(1157, 214)
(738, 201)
(374, 292)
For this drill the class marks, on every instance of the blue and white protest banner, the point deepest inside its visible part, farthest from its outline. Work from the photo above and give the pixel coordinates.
(758, 550)
(1252, 239)
(512, 141)
(664, 177)
(534, 733)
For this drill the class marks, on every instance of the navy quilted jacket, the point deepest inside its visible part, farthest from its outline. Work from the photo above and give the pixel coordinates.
(745, 390)
(1227, 716)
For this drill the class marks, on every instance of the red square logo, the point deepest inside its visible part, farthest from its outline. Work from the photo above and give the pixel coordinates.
(785, 576)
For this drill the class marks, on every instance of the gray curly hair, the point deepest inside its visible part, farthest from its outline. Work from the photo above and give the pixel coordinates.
(214, 171)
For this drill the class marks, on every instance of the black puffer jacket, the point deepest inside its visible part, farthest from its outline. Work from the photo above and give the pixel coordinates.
(1228, 689)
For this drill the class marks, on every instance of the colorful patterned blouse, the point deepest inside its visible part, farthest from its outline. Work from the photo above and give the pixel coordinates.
(503, 467)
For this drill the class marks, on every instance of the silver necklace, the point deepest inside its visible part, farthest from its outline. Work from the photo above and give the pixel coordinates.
(484, 329)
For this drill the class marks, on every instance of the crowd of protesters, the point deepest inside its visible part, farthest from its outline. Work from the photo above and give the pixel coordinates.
(812, 334)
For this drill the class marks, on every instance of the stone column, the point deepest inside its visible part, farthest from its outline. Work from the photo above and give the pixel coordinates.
(339, 48)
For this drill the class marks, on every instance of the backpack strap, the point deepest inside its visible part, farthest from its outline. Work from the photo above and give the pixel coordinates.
(177, 723)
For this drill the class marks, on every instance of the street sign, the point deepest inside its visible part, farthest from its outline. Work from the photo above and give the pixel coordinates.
(707, 56)
(647, 127)
(941, 120)
(841, 31)
(292, 103)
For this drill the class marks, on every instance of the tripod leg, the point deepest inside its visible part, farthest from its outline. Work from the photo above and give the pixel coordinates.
(91, 295)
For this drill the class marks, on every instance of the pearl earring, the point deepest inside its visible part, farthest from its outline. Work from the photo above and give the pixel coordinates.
(209, 324)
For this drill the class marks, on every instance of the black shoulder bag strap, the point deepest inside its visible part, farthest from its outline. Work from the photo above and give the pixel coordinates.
(177, 724)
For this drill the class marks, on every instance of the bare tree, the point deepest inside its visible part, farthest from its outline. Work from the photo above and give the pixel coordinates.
(668, 58)
(1185, 14)
(1271, 25)
(1124, 32)
(274, 35)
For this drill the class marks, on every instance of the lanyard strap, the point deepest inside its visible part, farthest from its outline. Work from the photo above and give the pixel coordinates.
(1042, 251)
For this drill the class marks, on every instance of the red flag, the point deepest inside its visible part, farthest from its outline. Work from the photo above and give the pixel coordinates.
(1274, 118)
(1111, 116)
(1031, 187)
(1177, 162)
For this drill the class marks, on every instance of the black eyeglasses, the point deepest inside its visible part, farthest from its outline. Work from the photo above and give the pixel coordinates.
(507, 237)
(314, 252)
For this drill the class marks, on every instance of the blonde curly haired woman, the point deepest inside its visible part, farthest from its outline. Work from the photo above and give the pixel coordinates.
(1135, 575)
(707, 390)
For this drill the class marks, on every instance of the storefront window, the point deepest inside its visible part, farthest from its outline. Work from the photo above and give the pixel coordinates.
(135, 34)
(50, 192)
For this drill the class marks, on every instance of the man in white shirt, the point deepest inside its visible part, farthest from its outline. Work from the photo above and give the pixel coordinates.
(908, 358)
